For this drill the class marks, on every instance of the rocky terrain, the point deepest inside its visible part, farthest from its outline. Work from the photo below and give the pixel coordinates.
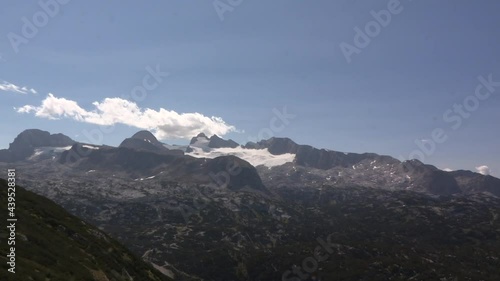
(276, 210)
(51, 244)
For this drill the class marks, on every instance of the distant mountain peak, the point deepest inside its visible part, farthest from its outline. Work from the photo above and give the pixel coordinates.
(146, 136)
(205, 143)
(200, 136)
(275, 145)
(39, 138)
(217, 142)
(27, 141)
(145, 140)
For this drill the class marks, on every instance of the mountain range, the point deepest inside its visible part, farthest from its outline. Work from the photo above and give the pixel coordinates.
(272, 162)
(217, 210)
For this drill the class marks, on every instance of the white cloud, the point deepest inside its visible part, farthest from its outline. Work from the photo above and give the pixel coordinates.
(166, 124)
(483, 170)
(447, 170)
(9, 87)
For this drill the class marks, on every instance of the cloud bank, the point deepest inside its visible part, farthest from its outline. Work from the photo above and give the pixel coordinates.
(483, 170)
(9, 87)
(165, 124)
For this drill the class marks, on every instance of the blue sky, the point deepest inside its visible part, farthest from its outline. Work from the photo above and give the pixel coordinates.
(250, 57)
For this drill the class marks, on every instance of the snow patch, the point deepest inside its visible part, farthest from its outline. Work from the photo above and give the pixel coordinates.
(164, 271)
(148, 178)
(38, 152)
(90, 146)
(48, 150)
(256, 157)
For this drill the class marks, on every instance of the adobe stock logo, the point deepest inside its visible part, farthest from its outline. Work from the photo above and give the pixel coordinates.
(224, 6)
(310, 265)
(455, 117)
(363, 38)
(30, 28)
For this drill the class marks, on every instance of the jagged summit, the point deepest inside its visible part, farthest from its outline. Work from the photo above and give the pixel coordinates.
(217, 142)
(202, 141)
(199, 137)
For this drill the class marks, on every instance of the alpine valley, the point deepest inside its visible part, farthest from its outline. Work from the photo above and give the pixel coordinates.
(270, 210)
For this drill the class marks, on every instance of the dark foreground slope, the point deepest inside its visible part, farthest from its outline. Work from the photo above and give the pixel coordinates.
(51, 244)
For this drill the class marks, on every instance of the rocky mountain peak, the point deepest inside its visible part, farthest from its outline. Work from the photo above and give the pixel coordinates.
(199, 136)
(217, 142)
(39, 138)
(27, 141)
(276, 146)
(146, 136)
(145, 140)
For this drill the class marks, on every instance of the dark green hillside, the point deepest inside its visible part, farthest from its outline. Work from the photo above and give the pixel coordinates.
(51, 244)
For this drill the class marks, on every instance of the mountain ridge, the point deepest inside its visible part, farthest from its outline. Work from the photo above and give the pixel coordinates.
(142, 155)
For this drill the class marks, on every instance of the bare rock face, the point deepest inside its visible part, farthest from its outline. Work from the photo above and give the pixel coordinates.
(146, 135)
(226, 172)
(470, 182)
(314, 166)
(217, 142)
(25, 143)
(212, 142)
(145, 140)
(276, 146)
(199, 136)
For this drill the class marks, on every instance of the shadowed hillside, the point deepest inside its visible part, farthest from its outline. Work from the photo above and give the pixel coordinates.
(53, 245)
